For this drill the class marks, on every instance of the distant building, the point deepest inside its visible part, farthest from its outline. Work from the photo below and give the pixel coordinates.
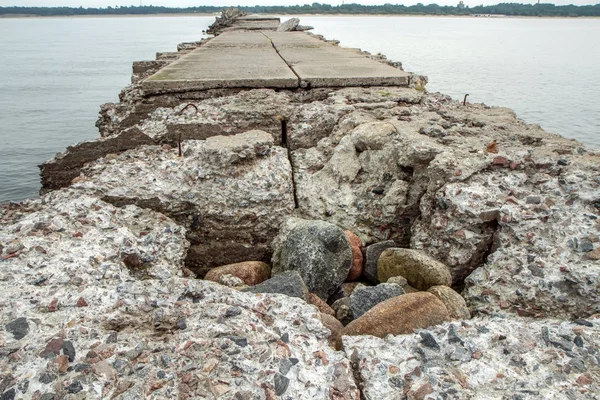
(461, 4)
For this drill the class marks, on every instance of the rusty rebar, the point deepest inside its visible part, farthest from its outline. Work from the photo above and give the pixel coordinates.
(465, 99)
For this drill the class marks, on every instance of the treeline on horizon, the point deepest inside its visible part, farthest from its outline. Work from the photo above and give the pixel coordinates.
(512, 9)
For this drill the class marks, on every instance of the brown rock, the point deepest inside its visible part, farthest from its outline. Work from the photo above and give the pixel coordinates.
(399, 315)
(420, 270)
(81, 302)
(251, 272)
(63, 363)
(52, 348)
(321, 305)
(594, 254)
(454, 302)
(357, 256)
(335, 326)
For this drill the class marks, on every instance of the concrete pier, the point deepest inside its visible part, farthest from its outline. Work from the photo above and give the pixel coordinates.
(268, 59)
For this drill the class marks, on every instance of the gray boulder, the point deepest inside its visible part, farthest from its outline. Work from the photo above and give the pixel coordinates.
(318, 250)
(366, 297)
(372, 254)
(289, 283)
(289, 25)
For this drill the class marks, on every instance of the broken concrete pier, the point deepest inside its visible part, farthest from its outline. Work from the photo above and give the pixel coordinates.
(267, 59)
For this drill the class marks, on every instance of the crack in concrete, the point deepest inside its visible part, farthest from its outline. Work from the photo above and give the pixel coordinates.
(284, 60)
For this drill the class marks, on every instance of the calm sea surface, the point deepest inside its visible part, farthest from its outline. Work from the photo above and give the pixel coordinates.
(55, 73)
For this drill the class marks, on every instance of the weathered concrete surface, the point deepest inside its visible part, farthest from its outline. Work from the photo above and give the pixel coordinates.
(321, 64)
(249, 61)
(269, 59)
(484, 358)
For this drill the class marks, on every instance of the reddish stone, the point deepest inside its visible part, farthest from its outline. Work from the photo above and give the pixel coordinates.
(357, 256)
(251, 272)
(499, 160)
(321, 305)
(81, 302)
(63, 363)
(53, 347)
(53, 305)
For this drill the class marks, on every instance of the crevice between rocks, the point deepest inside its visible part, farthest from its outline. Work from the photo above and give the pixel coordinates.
(284, 143)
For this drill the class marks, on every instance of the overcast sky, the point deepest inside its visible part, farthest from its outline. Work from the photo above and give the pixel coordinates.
(188, 3)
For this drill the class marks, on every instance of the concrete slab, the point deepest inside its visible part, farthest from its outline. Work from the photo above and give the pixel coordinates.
(267, 59)
(225, 62)
(321, 64)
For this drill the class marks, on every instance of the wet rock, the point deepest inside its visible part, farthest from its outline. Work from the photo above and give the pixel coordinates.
(289, 283)
(421, 271)
(250, 272)
(399, 315)
(18, 327)
(357, 256)
(366, 297)
(318, 250)
(454, 302)
(372, 254)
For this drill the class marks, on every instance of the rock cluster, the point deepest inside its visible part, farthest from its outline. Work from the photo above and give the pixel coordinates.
(373, 220)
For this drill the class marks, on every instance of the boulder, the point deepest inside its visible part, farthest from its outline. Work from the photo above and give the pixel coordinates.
(289, 283)
(454, 302)
(303, 28)
(485, 358)
(366, 297)
(345, 290)
(289, 25)
(319, 251)
(321, 305)
(420, 270)
(357, 256)
(399, 315)
(372, 253)
(250, 272)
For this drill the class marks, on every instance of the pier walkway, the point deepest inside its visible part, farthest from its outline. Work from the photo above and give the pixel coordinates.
(268, 59)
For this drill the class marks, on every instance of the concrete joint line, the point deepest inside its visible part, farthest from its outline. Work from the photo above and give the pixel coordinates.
(284, 60)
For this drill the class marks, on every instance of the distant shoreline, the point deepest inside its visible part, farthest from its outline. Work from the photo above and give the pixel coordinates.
(493, 16)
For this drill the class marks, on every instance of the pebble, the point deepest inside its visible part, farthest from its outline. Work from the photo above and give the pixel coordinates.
(281, 384)
(75, 387)
(18, 327)
(52, 349)
(69, 350)
(428, 340)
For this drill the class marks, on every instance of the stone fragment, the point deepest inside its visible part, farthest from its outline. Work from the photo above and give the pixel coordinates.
(250, 272)
(357, 256)
(18, 327)
(281, 384)
(372, 254)
(318, 250)
(321, 305)
(454, 302)
(69, 350)
(289, 25)
(81, 302)
(53, 348)
(420, 270)
(366, 297)
(343, 311)
(335, 326)
(399, 315)
(289, 283)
